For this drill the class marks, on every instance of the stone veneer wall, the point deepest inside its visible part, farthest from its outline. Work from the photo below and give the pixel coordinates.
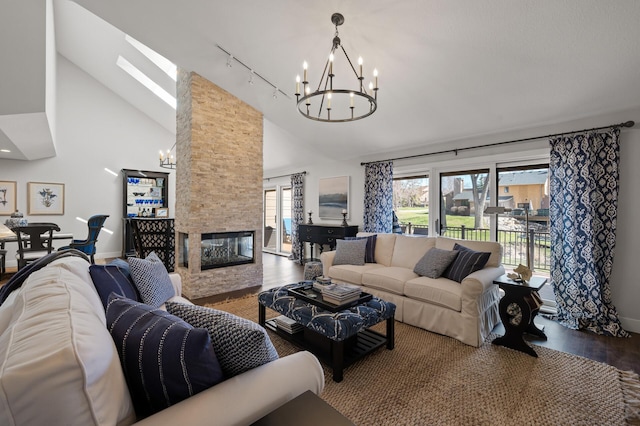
(218, 181)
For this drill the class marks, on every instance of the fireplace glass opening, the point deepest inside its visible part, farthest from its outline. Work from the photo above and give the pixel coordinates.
(222, 249)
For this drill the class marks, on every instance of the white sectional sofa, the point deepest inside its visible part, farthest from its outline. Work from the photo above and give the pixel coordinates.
(59, 364)
(466, 310)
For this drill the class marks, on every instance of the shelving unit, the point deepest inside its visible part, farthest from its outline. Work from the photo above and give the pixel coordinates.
(143, 193)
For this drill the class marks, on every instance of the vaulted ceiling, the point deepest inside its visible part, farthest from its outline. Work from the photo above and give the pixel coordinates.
(448, 69)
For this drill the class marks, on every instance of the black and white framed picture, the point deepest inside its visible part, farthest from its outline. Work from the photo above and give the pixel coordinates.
(333, 197)
(7, 197)
(45, 198)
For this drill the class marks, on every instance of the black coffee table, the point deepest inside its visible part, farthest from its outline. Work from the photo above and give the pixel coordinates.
(307, 409)
(337, 353)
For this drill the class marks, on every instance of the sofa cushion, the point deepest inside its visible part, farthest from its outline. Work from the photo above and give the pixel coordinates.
(467, 262)
(151, 279)
(391, 278)
(58, 364)
(351, 273)
(435, 262)
(439, 291)
(370, 250)
(164, 359)
(409, 249)
(484, 246)
(240, 344)
(109, 279)
(350, 252)
(384, 246)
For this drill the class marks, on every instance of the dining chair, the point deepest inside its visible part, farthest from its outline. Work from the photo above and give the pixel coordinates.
(3, 255)
(34, 241)
(88, 245)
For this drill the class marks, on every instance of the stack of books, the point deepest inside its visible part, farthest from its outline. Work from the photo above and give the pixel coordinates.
(320, 283)
(287, 324)
(339, 294)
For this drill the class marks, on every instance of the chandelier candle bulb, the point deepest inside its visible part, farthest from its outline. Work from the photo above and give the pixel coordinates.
(161, 156)
(375, 75)
(297, 85)
(329, 101)
(360, 64)
(351, 98)
(304, 67)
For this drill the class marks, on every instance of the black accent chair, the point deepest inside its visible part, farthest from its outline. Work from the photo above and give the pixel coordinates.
(88, 245)
(34, 241)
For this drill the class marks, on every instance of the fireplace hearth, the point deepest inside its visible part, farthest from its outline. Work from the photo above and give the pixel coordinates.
(222, 249)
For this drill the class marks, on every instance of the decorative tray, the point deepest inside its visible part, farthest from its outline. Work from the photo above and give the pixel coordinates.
(305, 291)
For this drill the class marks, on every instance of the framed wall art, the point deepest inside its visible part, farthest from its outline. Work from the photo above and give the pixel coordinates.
(45, 198)
(7, 197)
(162, 212)
(333, 197)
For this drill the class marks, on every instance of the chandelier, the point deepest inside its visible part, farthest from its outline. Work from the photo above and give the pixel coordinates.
(168, 161)
(337, 105)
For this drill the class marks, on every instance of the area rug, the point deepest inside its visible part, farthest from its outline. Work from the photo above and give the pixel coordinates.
(429, 379)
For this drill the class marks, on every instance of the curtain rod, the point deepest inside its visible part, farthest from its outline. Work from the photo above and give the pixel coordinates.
(625, 124)
(290, 174)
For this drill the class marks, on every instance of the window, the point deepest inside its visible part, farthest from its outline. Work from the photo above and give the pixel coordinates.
(411, 203)
(463, 198)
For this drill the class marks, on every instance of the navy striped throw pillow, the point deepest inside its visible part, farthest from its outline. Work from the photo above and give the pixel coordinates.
(467, 262)
(164, 359)
(370, 249)
(109, 279)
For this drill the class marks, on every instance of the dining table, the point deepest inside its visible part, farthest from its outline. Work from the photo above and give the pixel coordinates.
(8, 236)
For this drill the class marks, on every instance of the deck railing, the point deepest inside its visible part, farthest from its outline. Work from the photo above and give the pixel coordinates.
(514, 243)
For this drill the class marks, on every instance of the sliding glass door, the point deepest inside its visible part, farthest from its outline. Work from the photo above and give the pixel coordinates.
(463, 197)
(277, 220)
(523, 230)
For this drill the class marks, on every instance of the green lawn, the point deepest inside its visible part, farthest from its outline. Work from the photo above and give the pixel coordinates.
(420, 216)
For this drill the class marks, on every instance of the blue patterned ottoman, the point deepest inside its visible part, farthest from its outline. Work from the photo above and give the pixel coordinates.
(337, 338)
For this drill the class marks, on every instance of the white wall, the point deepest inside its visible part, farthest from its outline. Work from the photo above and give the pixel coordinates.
(94, 129)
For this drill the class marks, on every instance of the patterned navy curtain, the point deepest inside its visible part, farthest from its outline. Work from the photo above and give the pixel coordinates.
(583, 210)
(378, 197)
(297, 216)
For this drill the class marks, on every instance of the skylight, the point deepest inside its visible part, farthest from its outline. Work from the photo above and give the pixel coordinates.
(161, 62)
(146, 81)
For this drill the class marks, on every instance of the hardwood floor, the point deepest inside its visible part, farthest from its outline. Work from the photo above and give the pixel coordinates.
(621, 353)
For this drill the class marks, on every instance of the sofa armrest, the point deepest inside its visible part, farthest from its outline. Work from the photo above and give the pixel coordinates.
(326, 257)
(176, 280)
(480, 281)
(243, 399)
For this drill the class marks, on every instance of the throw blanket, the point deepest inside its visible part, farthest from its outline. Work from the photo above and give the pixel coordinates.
(21, 276)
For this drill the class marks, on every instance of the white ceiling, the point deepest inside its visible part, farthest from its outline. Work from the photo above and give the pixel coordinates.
(448, 69)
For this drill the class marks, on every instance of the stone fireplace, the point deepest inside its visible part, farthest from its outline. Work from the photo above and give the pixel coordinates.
(221, 249)
(218, 188)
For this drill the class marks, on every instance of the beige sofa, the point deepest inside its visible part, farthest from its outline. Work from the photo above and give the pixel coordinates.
(59, 364)
(466, 311)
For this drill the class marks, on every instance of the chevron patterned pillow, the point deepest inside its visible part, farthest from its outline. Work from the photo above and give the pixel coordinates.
(152, 280)
(240, 344)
